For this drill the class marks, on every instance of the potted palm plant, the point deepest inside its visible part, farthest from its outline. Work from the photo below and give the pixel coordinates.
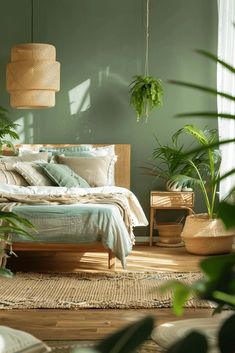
(169, 160)
(204, 234)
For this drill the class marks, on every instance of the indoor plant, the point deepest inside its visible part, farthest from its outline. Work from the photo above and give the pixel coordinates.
(146, 94)
(201, 230)
(170, 160)
(146, 91)
(9, 221)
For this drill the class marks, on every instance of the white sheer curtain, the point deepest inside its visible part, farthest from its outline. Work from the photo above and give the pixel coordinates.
(226, 83)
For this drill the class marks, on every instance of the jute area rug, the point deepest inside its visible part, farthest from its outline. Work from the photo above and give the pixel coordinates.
(148, 346)
(124, 290)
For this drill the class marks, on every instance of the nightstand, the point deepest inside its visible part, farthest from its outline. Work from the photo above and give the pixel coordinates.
(166, 200)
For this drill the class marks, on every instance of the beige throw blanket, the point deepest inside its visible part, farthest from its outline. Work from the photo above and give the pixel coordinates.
(8, 201)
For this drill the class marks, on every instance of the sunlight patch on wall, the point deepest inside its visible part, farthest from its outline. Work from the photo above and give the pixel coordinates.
(103, 74)
(79, 98)
(25, 128)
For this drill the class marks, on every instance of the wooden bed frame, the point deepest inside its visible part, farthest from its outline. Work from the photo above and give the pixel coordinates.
(122, 178)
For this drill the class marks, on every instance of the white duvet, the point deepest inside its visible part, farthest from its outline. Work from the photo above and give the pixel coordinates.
(91, 220)
(137, 213)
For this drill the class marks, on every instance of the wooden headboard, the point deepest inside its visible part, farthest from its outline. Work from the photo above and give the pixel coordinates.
(122, 166)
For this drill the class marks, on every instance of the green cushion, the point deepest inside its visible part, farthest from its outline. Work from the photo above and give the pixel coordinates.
(62, 175)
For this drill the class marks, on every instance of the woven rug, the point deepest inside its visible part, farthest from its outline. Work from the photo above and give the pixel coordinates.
(148, 346)
(124, 290)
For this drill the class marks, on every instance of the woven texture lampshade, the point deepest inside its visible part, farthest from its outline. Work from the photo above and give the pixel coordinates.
(33, 76)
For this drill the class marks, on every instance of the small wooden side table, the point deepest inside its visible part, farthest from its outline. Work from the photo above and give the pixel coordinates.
(169, 200)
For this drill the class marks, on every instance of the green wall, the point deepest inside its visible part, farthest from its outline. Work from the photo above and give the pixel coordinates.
(100, 44)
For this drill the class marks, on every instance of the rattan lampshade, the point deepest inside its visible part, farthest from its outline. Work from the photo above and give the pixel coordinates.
(33, 76)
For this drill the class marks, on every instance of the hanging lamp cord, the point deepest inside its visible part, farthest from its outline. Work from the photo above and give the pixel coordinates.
(146, 68)
(32, 24)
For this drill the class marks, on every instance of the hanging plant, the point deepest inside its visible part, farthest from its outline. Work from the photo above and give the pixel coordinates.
(146, 94)
(146, 91)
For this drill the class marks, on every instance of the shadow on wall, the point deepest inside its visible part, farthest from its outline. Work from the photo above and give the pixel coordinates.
(98, 105)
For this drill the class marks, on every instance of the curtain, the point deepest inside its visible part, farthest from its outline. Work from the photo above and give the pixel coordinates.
(226, 83)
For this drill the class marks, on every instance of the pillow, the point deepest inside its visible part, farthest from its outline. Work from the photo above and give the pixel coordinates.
(98, 152)
(52, 151)
(15, 341)
(95, 170)
(8, 175)
(33, 174)
(28, 157)
(63, 175)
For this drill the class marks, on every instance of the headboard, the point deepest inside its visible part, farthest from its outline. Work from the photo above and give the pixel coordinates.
(122, 166)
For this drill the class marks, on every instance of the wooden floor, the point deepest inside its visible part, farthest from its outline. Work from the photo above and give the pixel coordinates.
(93, 324)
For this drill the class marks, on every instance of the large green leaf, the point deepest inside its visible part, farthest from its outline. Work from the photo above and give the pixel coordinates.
(128, 338)
(227, 336)
(215, 266)
(194, 342)
(206, 114)
(216, 59)
(203, 88)
(226, 212)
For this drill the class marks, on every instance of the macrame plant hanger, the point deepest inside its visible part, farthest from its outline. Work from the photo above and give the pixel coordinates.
(146, 91)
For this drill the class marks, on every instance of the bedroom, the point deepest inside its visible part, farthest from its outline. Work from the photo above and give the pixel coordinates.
(100, 45)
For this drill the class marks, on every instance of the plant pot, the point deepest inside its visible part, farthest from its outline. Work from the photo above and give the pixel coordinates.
(169, 233)
(205, 236)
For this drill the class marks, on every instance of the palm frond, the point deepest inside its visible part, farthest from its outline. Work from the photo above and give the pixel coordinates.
(202, 88)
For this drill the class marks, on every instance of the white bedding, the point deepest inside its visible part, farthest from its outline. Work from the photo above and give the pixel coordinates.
(137, 213)
(80, 222)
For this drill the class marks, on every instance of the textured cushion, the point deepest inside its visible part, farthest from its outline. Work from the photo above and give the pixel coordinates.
(98, 152)
(27, 157)
(62, 175)
(33, 174)
(15, 341)
(95, 170)
(8, 175)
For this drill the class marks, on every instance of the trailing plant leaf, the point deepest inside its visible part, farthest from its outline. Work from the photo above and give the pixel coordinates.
(5, 272)
(146, 93)
(181, 293)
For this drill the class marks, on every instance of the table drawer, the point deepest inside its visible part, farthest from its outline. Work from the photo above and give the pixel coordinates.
(172, 199)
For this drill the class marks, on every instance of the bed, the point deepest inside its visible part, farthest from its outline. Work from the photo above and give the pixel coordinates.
(105, 228)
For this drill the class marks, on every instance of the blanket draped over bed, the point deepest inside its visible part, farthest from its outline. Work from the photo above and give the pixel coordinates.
(9, 201)
(75, 215)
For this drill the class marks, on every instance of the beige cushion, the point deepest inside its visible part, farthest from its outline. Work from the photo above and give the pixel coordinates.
(8, 175)
(95, 170)
(33, 174)
(28, 157)
(16, 341)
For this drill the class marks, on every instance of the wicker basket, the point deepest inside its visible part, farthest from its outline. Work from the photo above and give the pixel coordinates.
(204, 236)
(169, 233)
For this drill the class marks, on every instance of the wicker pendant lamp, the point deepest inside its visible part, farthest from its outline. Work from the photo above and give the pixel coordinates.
(33, 75)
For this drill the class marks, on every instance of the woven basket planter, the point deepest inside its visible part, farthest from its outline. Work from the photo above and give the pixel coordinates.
(204, 236)
(169, 233)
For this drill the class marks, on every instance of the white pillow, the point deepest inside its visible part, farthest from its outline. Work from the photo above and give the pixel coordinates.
(108, 151)
(15, 341)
